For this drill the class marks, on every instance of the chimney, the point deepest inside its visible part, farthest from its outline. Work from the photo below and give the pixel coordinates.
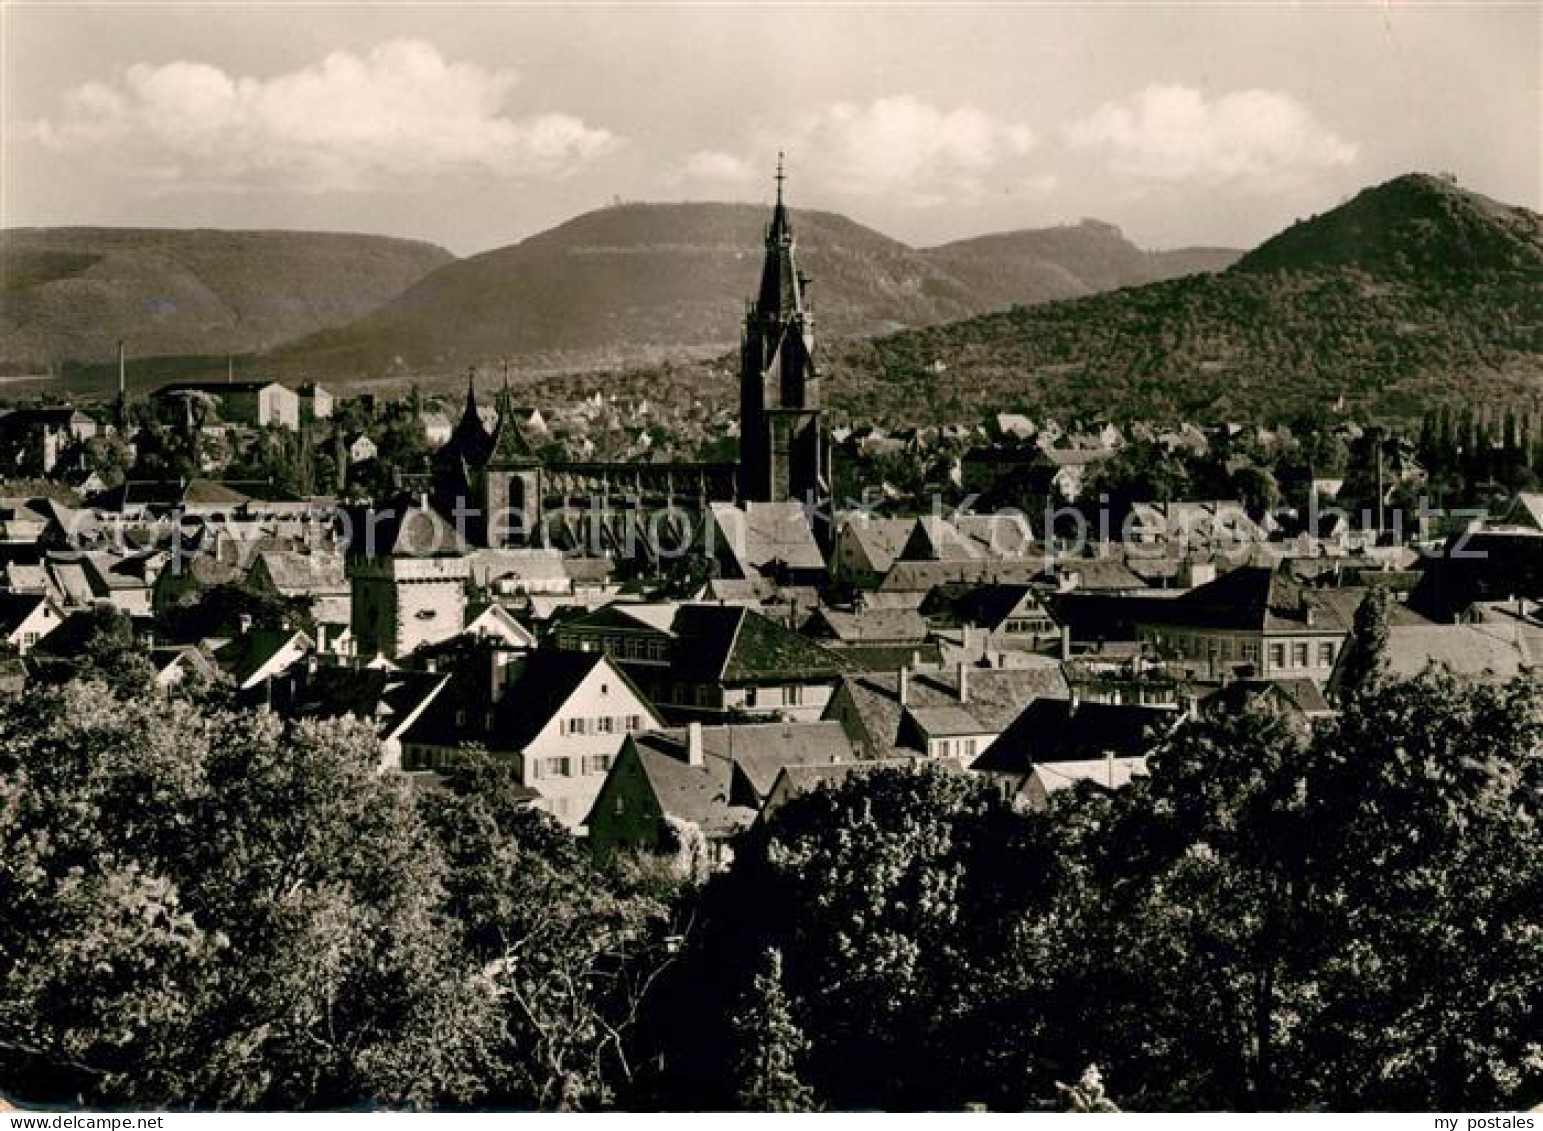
(244, 622)
(321, 637)
(694, 755)
(1066, 642)
(905, 684)
(964, 681)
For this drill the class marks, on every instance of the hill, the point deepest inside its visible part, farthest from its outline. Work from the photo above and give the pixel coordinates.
(1414, 293)
(1065, 262)
(69, 294)
(641, 283)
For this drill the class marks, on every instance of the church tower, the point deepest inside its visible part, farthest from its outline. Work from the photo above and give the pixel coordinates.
(512, 481)
(784, 454)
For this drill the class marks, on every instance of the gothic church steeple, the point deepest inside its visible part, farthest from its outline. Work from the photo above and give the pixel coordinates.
(784, 455)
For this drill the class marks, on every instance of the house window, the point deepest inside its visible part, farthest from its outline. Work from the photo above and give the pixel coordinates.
(1299, 654)
(750, 696)
(795, 695)
(1277, 655)
(1326, 654)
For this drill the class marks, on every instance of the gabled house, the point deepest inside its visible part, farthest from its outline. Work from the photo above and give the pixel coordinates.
(492, 621)
(560, 717)
(32, 440)
(1045, 779)
(795, 781)
(706, 662)
(1526, 511)
(259, 655)
(253, 403)
(1299, 698)
(389, 700)
(317, 577)
(127, 581)
(1474, 653)
(25, 618)
(1053, 732)
(1014, 614)
(919, 713)
(1257, 621)
(734, 661)
(969, 538)
(765, 539)
(866, 547)
(175, 663)
(707, 781)
(859, 632)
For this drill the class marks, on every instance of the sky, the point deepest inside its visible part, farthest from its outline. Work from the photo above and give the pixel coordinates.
(476, 125)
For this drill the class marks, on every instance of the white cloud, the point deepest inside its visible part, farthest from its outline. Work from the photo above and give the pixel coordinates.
(715, 165)
(899, 147)
(1172, 133)
(399, 115)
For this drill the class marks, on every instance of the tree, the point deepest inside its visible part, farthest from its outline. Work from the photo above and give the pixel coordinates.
(1428, 842)
(891, 899)
(566, 951)
(1364, 663)
(1087, 1095)
(97, 643)
(207, 908)
(769, 1044)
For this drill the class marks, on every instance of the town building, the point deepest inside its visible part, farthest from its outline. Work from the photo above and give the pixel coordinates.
(257, 404)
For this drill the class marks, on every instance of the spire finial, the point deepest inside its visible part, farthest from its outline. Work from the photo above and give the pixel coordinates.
(781, 176)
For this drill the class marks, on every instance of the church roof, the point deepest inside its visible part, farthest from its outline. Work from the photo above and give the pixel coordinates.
(470, 442)
(508, 444)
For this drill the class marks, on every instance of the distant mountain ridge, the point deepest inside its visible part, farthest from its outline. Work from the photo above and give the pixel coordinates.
(644, 283)
(1414, 292)
(69, 294)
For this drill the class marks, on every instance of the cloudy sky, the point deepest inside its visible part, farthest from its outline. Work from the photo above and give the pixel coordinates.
(476, 125)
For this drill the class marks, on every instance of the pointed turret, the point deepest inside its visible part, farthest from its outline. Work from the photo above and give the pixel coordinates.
(470, 440)
(510, 448)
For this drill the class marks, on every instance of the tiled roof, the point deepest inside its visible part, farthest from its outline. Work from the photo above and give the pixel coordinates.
(985, 606)
(1060, 730)
(293, 572)
(1111, 773)
(16, 608)
(401, 528)
(731, 644)
(537, 685)
(1300, 695)
(882, 539)
(1473, 651)
(995, 696)
(761, 534)
(379, 696)
(925, 575)
(1262, 599)
(751, 755)
(870, 626)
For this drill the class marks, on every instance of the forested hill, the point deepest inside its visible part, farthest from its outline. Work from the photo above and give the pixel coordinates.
(638, 284)
(68, 295)
(1413, 293)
